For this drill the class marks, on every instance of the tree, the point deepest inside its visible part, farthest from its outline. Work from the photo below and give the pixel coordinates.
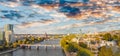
(7, 45)
(117, 53)
(27, 42)
(56, 36)
(83, 45)
(32, 38)
(105, 51)
(39, 39)
(19, 42)
(63, 42)
(118, 42)
(1, 47)
(107, 37)
(115, 37)
(71, 48)
(14, 45)
(82, 53)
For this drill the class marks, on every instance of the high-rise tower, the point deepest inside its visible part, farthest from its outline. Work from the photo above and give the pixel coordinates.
(8, 27)
(9, 33)
(2, 37)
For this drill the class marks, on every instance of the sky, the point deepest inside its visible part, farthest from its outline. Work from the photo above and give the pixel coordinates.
(36, 19)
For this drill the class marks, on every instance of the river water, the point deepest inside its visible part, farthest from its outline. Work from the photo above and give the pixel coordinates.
(50, 51)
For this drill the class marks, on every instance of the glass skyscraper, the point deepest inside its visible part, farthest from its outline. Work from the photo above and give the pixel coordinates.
(9, 34)
(8, 27)
(2, 37)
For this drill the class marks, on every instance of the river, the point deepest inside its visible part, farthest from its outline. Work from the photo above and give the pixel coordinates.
(50, 51)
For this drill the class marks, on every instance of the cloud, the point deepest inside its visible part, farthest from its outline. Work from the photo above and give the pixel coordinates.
(36, 23)
(90, 22)
(44, 20)
(75, 25)
(10, 4)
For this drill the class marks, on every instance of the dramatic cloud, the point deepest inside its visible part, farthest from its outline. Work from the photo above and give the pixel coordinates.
(68, 18)
(36, 23)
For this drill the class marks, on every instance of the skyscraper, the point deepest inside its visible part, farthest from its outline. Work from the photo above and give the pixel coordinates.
(2, 37)
(9, 33)
(8, 27)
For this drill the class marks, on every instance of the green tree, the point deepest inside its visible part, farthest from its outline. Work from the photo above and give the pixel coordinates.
(39, 39)
(15, 45)
(19, 42)
(63, 42)
(32, 38)
(7, 45)
(118, 42)
(82, 53)
(82, 44)
(71, 48)
(115, 37)
(27, 42)
(107, 37)
(105, 51)
(1, 47)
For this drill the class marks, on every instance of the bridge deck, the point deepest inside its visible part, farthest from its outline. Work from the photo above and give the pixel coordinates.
(37, 45)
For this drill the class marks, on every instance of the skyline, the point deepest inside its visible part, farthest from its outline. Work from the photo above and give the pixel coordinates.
(37, 19)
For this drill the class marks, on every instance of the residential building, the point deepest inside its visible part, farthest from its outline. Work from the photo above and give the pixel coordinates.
(108, 43)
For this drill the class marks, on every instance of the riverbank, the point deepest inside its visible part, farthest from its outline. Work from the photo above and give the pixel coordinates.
(72, 48)
(17, 43)
(70, 54)
(50, 51)
(8, 51)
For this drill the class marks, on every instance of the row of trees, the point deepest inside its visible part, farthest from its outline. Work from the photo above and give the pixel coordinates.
(105, 51)
(111, 37)
(109, 51)
(72, 47)
(82, 50)
(106, 36)
(26, 40)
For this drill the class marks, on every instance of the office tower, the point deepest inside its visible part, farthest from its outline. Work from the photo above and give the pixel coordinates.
(2, 37)
(9, 34)
(8, 27)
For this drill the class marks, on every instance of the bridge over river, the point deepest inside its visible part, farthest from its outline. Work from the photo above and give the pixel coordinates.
(46, 48)
(41, 46)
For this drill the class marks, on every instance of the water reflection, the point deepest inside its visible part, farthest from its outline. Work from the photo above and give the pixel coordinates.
(42, 51)
(7, 54)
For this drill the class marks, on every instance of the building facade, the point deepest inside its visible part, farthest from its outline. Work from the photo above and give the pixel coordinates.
(2, 37)
(9, 33)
